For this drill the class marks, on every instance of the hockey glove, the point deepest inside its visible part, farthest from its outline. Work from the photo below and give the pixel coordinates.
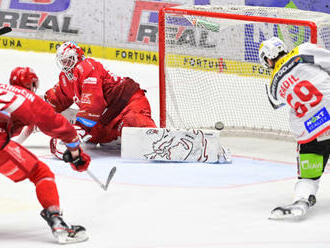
(79, 163)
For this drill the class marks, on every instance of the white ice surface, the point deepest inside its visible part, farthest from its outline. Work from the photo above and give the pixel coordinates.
(163, 205)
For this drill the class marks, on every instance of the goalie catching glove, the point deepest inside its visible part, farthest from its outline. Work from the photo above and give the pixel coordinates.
(70, 153)
(82, 134)
(57, 147)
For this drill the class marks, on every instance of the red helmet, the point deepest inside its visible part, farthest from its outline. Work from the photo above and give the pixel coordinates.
(24, 77)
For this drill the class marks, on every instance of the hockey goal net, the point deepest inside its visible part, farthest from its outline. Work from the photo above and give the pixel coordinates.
(209, 64)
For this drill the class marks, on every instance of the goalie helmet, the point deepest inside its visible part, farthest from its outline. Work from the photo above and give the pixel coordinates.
(24, 77)
(271, 49)
(67, 56)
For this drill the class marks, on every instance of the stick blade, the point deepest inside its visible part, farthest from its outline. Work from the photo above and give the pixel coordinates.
(111, 174)
(5, 30)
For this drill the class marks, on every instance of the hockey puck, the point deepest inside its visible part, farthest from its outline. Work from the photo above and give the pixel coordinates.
(219, 125)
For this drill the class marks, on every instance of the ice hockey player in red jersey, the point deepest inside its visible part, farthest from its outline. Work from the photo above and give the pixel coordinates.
(19, 107)
(106, 102)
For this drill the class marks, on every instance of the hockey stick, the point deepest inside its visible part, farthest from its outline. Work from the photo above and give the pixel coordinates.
(5, 30)
(110, 176)
(274, 105)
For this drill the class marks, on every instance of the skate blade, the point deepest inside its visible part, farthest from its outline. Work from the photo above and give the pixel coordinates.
(63, 238)
(296, 214)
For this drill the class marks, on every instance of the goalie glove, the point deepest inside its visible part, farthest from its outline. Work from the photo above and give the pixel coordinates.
(57, 148)
(79, 163)
(82, 134)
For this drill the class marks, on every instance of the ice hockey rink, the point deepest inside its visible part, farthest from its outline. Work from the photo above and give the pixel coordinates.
(163, 205)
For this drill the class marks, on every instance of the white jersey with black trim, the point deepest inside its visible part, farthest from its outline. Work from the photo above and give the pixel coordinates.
(301, 79)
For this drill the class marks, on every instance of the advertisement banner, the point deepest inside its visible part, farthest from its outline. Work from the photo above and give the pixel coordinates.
(309, 5)
(54, 19)
(128, 26)
(139, 20)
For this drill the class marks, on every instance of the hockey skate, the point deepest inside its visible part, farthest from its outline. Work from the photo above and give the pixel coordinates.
(297, 210)
(63, 232)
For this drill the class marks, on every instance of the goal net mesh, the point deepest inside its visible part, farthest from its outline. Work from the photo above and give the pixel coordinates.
(211, 69)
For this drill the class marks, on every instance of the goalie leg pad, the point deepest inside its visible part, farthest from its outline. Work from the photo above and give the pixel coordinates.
(183, 145)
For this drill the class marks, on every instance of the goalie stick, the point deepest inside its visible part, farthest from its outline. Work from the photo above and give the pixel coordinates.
(5, 30)
(27, 131)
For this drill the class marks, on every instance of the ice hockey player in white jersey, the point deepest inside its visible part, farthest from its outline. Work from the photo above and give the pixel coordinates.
(301, 79)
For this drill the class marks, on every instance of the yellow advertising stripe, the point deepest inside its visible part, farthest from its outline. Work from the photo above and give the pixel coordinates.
(218, 65)
(23, 44)
(129, 55)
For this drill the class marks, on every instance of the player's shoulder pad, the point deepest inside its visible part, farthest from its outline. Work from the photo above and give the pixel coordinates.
(85, 67)
(303, 46)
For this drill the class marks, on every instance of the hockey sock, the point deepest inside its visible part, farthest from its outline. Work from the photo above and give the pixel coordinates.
(304, 188)
(46, 188)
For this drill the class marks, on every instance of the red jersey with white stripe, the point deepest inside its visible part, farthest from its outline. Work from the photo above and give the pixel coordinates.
(93, 89)
(26, 108)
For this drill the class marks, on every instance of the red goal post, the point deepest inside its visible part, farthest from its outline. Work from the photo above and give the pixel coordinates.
(194, 94)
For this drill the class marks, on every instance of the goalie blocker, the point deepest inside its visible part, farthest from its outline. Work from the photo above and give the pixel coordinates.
(181, 145)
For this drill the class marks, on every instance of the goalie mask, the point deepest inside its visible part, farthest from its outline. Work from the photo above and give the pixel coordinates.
(271, 49)
(24, 77)
(67, 56)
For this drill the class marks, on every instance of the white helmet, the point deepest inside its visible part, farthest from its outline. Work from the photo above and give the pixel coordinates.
(67, 56)
(270, 49)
